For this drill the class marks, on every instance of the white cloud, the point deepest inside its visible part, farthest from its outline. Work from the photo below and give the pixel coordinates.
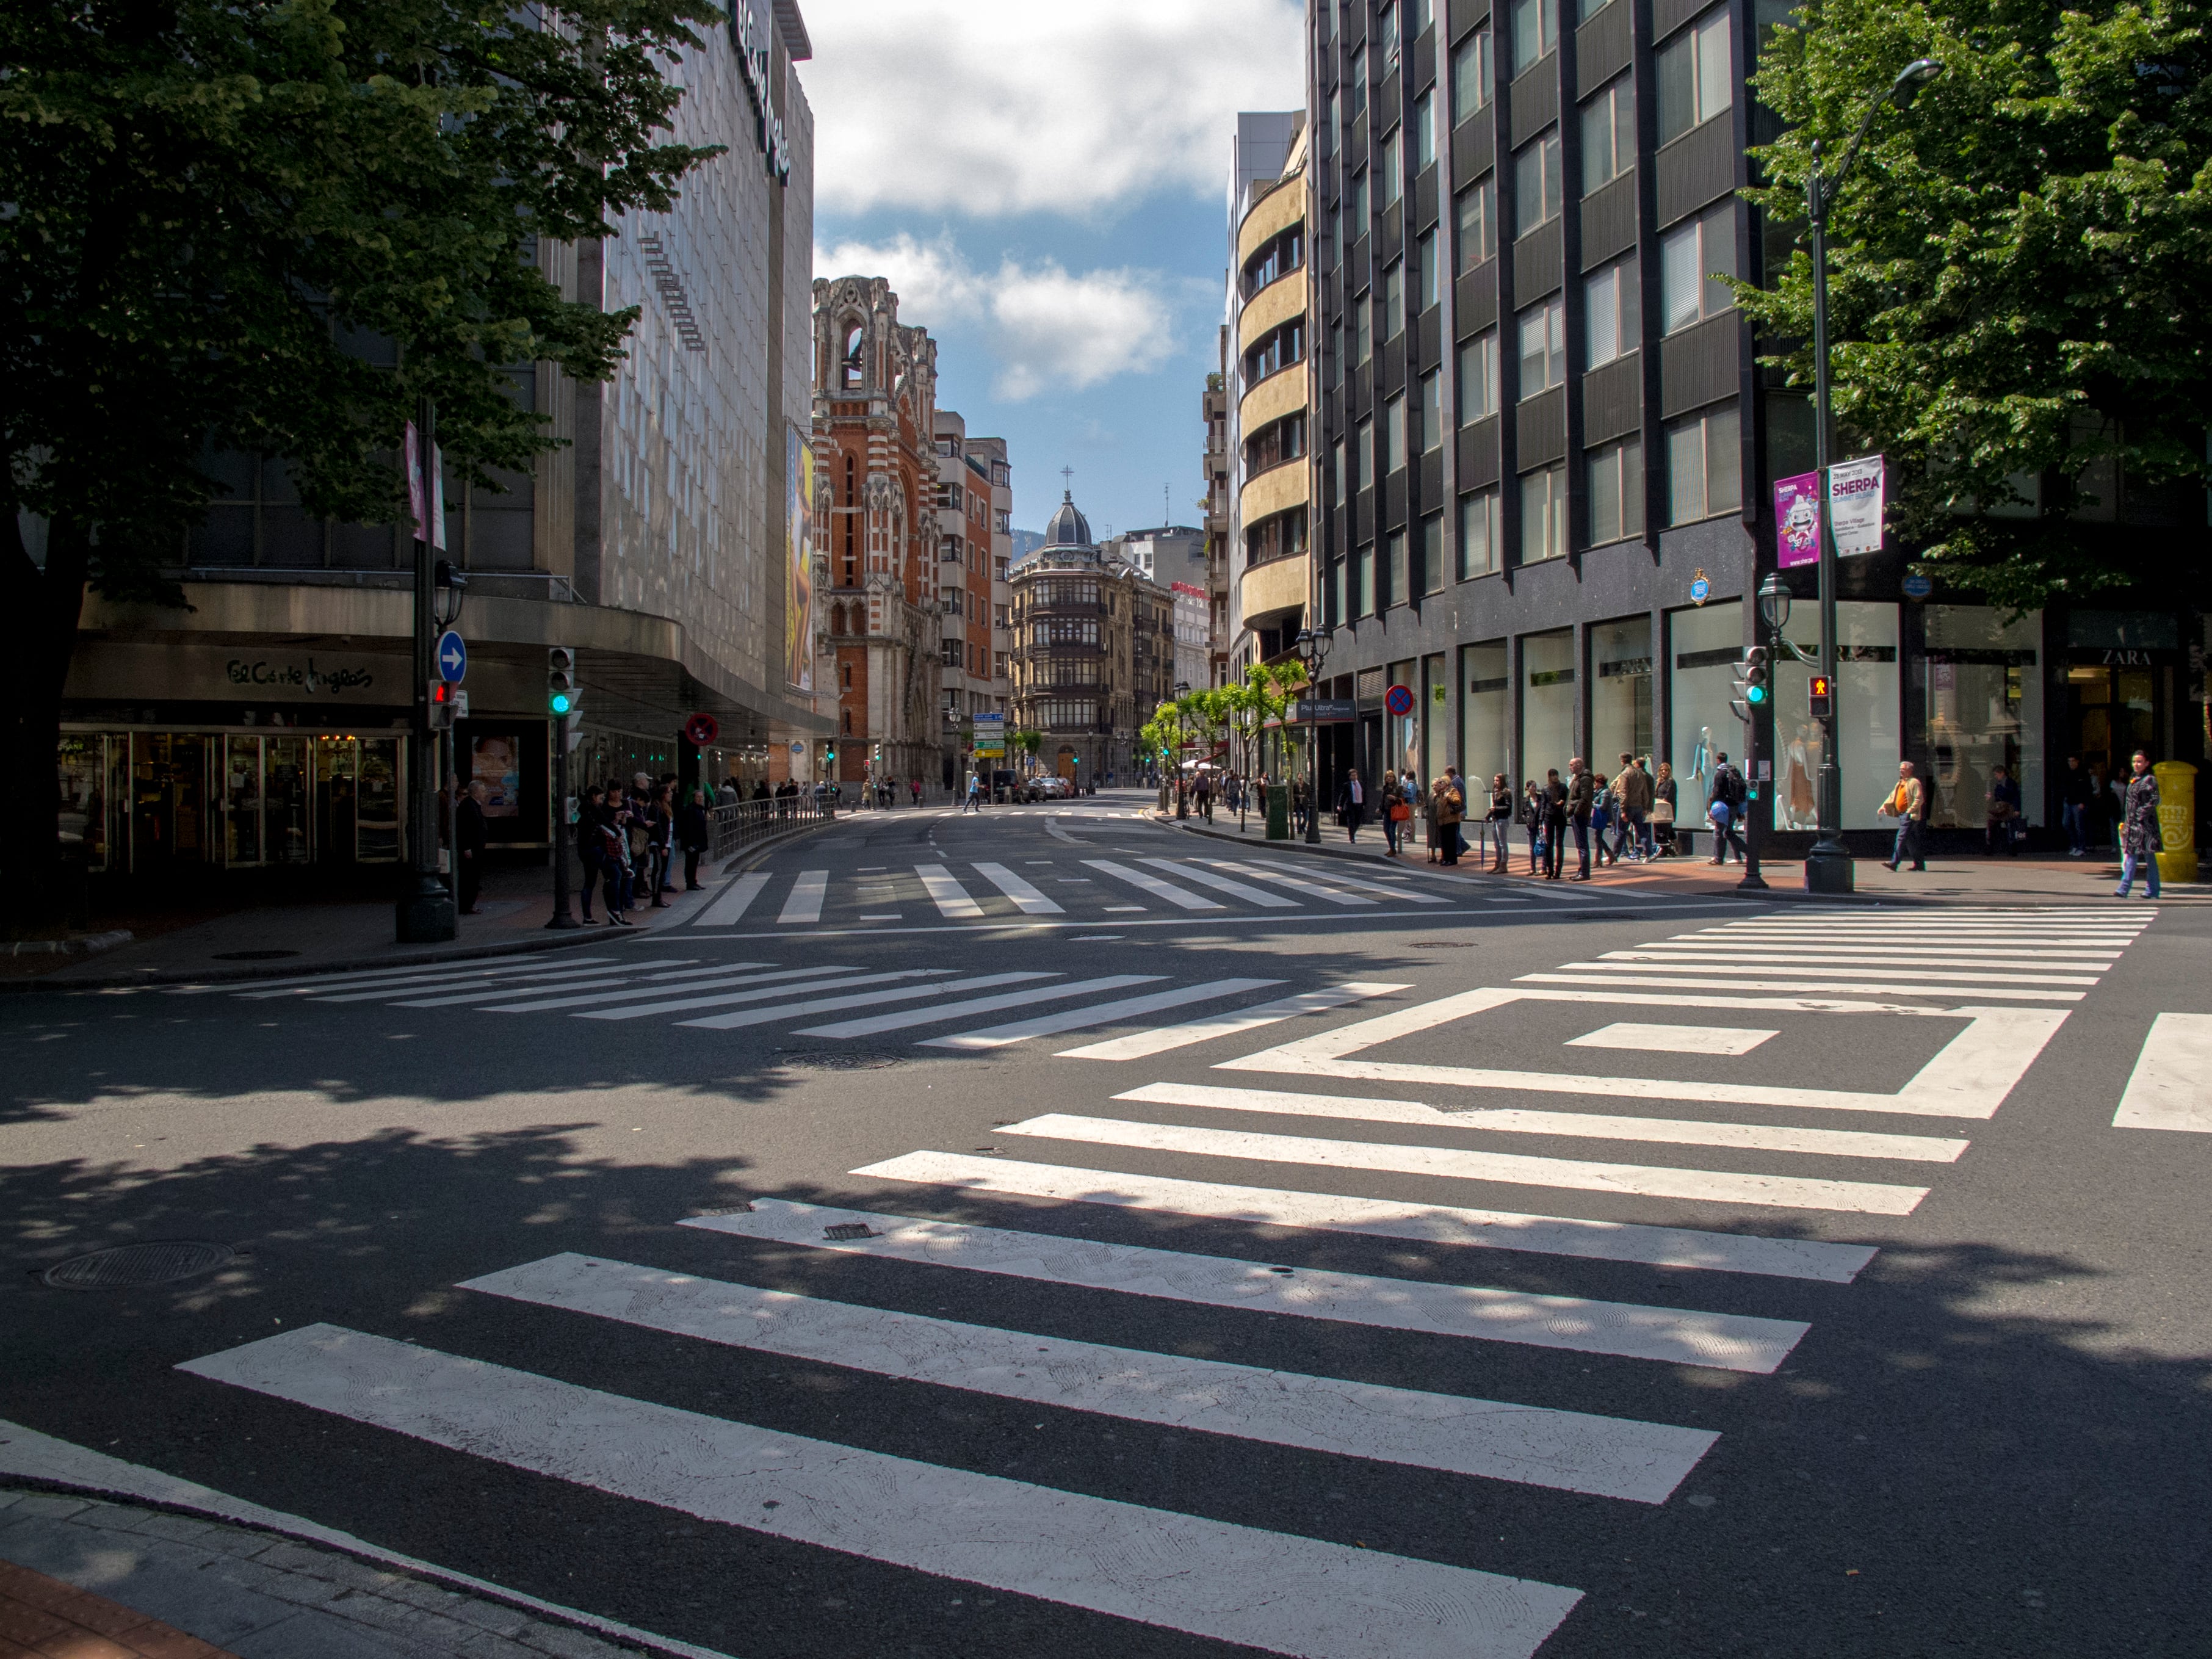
(991, 108)
(1049, 328)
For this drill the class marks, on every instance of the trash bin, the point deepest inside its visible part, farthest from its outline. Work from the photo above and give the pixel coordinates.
(2177, 820)
(1278, 811)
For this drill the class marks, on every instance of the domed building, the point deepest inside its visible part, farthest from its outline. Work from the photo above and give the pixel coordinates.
(1094, 652)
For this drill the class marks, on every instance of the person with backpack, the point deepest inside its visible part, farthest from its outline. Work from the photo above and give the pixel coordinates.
(1724, 808)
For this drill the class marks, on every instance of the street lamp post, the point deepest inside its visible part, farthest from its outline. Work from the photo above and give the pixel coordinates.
(1313, 650)
(1183, 806)
(1828, 866)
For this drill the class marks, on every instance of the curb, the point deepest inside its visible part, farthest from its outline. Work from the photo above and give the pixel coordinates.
(563, 939)
(77, 944)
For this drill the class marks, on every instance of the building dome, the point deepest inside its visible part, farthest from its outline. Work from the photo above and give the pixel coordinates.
(1068, 527)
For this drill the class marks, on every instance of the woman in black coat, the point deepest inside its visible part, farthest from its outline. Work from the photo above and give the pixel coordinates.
(694, 834)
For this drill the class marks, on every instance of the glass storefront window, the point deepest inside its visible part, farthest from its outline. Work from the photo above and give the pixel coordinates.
(1547, 702)
(168, 799)
(83, 769)
(1868, 718)
(1621, 700)
(1486, 688)
(1983, 697)
(1704, 645)
(335, 808)
(241, 801)
(1436, 718)
(1401, 744)
(284, 818)
(376, 819)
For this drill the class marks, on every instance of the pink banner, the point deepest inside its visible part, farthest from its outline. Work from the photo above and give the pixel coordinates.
(1797, 521)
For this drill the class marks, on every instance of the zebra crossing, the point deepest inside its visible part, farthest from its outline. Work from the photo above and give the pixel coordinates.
(942, 890)
(1270, 1588)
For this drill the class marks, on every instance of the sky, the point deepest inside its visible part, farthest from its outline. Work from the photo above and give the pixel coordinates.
(1045, 184)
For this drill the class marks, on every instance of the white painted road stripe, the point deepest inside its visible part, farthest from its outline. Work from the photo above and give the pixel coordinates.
(1569, 1451)
(476, 983)
(804, 903)
(1677, 1132)
(1023, 893)
(950, 896)
(300, 985)
(1239, 1584)
(1103, 1014)
(648, 992)
(1735, 1342)
(1312, 889)
(1139, 1044)
(1375, 1217)
(864, 1000)
(554, 984)
(1738, 981)
(1180, 896)
(729, 906)
(1206, 878)
(1460, 1163)
(2171, 1087)
(1827, 956)
(1981, 973)
(1406, 891)
(910, 1018)
(438, 979)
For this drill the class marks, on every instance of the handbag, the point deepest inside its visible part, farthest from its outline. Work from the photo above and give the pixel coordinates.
(1400, 811)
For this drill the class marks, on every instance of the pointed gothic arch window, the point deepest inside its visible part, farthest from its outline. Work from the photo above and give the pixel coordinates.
(852, 358)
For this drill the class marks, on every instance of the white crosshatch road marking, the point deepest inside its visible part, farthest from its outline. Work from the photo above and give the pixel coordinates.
(1024, 894)
(951, 898)
(1739, 1342)
(1569, 1451)
(807, 893)
(1221, 883)
(1730, 1039)
(1969, 1077)
(1103, 1013)
(2171, 1087)
(730, 904)
(1161, 1039)
(1182, 897)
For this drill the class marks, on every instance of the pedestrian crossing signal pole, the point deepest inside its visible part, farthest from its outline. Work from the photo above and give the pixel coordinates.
(563, 712)
(1751, 693)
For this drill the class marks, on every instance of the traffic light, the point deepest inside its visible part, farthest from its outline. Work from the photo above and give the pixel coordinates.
(1755, 675)
(445, 702)
(1823, 698)
(561, 693)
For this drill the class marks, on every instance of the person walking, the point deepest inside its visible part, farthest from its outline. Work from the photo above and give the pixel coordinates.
(1904, 805)
(2002, 802)
(1634, 785)
(1352, 804)
(1666, 795)
(614, 851)
(1582, 799)
(1500, 816)
(972, 800)
(1556, 796)
(2141, 840)
(694, 831)
(585, 836)
(470, 837)
(1724, 807)
(1446, 805)
(1392, 798)
(2074, 807)
(1605, 812)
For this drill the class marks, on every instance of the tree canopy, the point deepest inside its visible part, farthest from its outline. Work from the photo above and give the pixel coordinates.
(2016, 273)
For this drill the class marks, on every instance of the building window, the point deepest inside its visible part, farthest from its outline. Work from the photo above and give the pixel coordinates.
(1394, 435)
(1430, 434)
(1363, 456)
(1432, 572)
(1612, 317)
(954, 653)
(1424, 263)
(1609, 134)
(999, 570)
(1616, 491)
(1283, 255)
(853, 359)
(1697, 75)
(1394, 301)
(1391, 156)
(1336, 355)
(1363, 327)
(1693, 257)
(1386, 33)
(1424, 132)
(1536, 32)
(1475, 215)
(1537, 192)
(1278, 349)
(1543, 514)
(1478, 394)
(1358, 81)
(1472, 77)
(1543, 346)
(1477, 534)
(1359, 213)
(1281, 537)
(1704, 465)
(948, 549)
(1393, 548)
(1276, 442)
(1341, 497)
(1363, 581)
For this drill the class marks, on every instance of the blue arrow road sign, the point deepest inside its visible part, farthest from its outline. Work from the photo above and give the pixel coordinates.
(453, 658)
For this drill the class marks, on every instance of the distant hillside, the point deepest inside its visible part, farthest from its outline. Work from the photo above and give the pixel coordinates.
(1027, 542)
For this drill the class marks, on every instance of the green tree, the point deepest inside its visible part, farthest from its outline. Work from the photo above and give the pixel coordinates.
(2016, 271)
(219, 209)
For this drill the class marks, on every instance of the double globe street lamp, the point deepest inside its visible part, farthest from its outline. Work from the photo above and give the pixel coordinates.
(1828, 866)
(1312, 648)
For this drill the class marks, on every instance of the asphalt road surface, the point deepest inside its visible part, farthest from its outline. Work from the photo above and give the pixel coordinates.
(1048, 1232)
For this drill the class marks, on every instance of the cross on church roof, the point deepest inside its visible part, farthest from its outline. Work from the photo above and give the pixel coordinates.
(1067, 477)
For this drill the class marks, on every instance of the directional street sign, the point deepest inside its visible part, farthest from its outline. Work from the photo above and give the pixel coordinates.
(453, 658)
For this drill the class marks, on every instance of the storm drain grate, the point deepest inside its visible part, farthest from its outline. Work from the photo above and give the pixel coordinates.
(124, 1266)
(845, 1229)
(832, 1059)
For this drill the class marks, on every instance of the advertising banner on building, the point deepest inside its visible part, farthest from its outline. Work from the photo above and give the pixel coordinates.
(798, 561)
(1797, 521)
(1854, 504)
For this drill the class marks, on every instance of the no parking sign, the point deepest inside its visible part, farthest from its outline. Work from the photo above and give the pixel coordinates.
(1399, 700)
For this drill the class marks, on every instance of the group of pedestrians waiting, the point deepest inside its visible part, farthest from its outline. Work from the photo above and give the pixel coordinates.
(627, 839)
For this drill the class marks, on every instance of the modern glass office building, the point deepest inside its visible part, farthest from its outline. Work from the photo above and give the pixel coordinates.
(1543, 480)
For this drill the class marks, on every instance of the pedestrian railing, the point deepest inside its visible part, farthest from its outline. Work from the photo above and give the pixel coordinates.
(740, 823)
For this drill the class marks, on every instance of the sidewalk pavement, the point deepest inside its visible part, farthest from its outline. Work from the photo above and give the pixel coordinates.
(1954, 881)
(84, 1579)
(282, 939)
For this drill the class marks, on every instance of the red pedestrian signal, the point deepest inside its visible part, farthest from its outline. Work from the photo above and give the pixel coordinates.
(1823, 698)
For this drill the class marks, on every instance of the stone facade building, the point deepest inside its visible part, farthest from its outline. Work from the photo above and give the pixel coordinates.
(974, 546)
(1094, 652)
(876, 493)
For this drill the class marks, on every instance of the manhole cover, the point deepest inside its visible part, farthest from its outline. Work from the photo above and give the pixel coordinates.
(831, 1060)
(253, 956)
(125, 1266)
